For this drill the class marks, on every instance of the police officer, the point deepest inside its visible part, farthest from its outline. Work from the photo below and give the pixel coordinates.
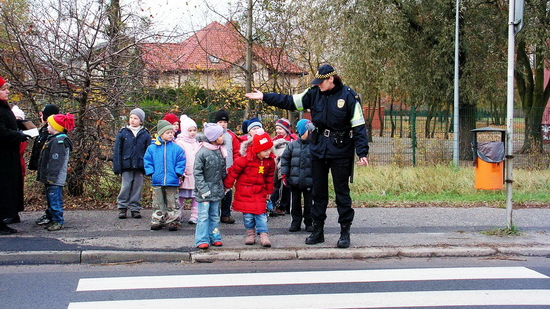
(340, 129)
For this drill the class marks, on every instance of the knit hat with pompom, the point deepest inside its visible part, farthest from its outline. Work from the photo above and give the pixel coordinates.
(261, 141)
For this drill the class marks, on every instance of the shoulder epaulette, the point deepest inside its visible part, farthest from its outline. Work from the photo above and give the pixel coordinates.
(353, 93)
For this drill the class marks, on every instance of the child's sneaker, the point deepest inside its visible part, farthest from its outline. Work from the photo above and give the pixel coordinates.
(122, 213)
(173, 226)
(217, 244)
(203, 246)
(136, 214)
(192, 221)
(55, 226)
(155, 227)
(43, 220)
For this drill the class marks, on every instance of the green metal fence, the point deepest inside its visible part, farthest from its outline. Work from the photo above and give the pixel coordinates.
(403, 138)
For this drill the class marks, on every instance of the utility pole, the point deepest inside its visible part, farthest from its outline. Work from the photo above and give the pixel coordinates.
(249, 45)
(456, 127)
(515, 23)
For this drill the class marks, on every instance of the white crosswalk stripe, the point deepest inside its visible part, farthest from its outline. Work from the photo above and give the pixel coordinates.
(488, 297)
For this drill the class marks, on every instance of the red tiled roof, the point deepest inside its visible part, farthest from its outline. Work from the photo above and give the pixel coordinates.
(214, 41)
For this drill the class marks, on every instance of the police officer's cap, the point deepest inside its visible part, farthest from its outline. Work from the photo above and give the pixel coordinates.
(325, 71)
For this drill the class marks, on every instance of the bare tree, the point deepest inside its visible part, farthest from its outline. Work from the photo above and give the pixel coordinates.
(80, 54)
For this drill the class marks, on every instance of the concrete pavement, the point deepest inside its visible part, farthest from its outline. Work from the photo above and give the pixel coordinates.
(100, 237)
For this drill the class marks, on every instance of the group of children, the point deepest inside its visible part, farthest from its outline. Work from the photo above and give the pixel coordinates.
(204, 168)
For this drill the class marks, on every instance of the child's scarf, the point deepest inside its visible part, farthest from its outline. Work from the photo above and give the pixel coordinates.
(134, 130)
(212, 147)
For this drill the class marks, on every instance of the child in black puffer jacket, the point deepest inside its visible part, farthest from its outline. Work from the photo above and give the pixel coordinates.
(296, 174)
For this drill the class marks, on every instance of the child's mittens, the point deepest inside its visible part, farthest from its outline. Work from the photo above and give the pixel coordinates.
(269, 205)
(285, 181)
(205, 195)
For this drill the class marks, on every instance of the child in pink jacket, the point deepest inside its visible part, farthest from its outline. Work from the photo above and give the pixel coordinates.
(186, 140)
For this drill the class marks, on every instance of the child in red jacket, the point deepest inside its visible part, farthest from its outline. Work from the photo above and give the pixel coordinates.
(252, 175)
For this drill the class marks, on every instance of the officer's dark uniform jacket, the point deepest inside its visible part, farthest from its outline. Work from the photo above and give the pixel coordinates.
(338, 116)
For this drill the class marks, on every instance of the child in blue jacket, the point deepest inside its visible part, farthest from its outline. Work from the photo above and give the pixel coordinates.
(165, 163)
(130, 145)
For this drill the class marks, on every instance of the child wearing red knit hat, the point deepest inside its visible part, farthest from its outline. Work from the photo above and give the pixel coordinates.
(52, 166)
(252, 176)
(174, 121)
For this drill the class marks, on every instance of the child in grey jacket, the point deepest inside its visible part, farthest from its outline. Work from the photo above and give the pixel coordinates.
(209, 172)
(52, 166)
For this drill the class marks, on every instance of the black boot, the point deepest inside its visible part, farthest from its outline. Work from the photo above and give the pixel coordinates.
(12, 220)
(344, 240)
(6, 230)
(318, 235)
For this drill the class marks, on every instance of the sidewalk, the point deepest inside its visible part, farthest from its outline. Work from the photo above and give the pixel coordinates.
(100, 237)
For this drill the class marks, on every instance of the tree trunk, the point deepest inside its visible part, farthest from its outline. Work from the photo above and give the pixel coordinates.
(392, 121)
(533, 94)
(81, 153)
(467, 122)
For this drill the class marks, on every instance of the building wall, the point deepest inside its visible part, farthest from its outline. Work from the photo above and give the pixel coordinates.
(233, 77)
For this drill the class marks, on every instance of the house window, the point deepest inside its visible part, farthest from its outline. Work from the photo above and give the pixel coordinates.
(214, 59)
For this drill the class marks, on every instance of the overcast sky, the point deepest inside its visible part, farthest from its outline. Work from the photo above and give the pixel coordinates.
(187, 15)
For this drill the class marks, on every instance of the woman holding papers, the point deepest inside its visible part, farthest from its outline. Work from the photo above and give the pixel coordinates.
(11, 175)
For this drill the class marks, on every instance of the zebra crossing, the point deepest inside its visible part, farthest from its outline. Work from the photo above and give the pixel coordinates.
(366, 299)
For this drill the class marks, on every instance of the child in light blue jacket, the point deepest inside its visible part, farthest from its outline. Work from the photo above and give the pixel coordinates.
(165, 162)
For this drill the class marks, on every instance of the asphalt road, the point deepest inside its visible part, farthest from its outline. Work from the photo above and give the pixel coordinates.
(64, 286)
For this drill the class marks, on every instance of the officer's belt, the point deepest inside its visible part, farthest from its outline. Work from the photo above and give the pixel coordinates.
(327, 132)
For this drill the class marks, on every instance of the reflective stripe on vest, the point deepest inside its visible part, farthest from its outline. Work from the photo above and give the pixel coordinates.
(298, 100)
(357, 118)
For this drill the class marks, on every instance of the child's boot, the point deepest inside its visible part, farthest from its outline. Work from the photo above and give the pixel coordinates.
(250, 237)
(264, 240)
(194, 212)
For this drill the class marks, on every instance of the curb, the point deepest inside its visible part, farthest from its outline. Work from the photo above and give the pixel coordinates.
(126, 257)
(39, 257)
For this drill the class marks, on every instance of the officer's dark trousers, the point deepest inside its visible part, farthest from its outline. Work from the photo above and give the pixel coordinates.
(340, 169)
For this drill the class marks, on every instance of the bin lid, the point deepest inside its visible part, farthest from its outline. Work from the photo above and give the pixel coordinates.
(489, 129)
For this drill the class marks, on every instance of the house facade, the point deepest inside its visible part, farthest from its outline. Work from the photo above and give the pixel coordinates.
(215, 57)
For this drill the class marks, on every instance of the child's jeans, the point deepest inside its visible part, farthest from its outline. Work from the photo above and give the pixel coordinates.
(259, 222)
(207, 230)
(166, 205)
(54, 197)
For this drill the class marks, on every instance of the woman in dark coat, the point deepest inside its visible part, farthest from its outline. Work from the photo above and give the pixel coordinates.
(11, 177)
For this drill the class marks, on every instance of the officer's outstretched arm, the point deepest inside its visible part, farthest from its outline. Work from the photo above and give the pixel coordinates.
(255, 95)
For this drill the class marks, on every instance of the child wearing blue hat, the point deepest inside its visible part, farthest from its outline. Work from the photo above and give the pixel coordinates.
(296, 175)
